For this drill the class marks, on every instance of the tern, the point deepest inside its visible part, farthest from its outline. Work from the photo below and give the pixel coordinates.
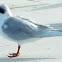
(22, 30)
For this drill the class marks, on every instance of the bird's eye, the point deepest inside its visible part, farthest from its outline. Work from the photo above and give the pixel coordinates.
(2, 10)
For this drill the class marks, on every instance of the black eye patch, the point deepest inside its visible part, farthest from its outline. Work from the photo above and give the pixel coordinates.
(2, 10)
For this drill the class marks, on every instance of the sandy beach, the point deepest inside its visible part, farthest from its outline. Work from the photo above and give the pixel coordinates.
(48, 49)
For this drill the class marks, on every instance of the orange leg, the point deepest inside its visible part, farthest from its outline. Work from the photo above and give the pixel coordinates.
(15, 54)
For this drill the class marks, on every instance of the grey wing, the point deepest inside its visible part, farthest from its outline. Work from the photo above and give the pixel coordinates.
(27, 20)
(42, 27)
(39, 26)
(17, 29)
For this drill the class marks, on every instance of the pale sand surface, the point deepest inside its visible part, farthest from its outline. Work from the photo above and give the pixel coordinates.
(47, 49)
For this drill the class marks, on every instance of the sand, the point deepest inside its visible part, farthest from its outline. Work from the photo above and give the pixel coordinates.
(48, 49)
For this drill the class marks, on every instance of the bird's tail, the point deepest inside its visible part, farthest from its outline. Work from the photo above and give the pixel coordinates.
(58, 30)
(52, 33)
(55, 32)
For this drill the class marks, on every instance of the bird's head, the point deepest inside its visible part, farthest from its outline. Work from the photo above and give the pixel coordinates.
(5, 13)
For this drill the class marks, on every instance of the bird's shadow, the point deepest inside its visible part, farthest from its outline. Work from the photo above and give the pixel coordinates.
(52, 6)
(40, 6)
(23, 59)
(27, 6)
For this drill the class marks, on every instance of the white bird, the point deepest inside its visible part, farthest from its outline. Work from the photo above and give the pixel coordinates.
(22, 30)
